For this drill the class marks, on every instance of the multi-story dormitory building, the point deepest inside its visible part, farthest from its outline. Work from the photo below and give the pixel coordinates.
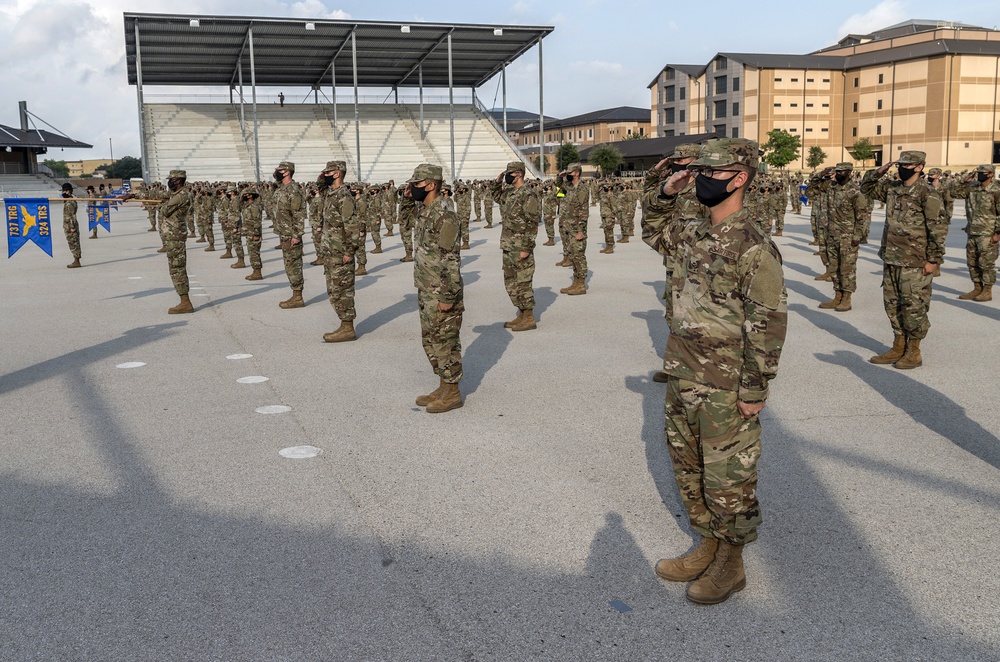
(925, 85)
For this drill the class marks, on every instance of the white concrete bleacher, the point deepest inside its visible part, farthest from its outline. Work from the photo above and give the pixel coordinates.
(29, 186)
(205, 140)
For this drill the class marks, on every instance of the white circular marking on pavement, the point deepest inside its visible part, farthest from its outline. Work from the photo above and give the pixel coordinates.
(299, 452)
(130, 364)
(135, 277)
(199, 295)
(273, 409)
(239, 357)
(255, 379)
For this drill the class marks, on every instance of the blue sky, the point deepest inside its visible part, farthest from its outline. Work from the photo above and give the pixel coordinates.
(66, 57)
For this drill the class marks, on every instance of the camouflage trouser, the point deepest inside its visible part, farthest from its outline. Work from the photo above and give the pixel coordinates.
(906, 294)
(177, 261)
(517, 277)
(238, 240)
(842, 259)
(814, 223)
(578, 255)
(822, 237)
(227, 231)
(373, 228)
(488, 210)
(254, 241)
(464, 223)
(549, 219)
(866, 228)
(151, 214)
(477, 208)
(389, 219)
(209, 231)
(361, 255)
(293, 262)
(72, 230)
(668, 298)
(981, 258)
(317, 233)
(440, 335)
(715, 454)
(628, 220)
(779, 220)
(796, 203)
(564, 235)
(406, 232)
(190, 223)
(608, 225)
(340, 286)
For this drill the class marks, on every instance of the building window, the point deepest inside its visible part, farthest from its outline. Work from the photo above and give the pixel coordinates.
(855, 81)
(670, 116)
(826, 105)
(579, 134)
(669, 133)
(736, 132)
(854, 132)
(642, 132)
(826, 80)
(720, 109)
(777, 80)
(720, 129)
(855, 106)
(736, 109)
(736, 85)
(590, 133)
(880, 104)
(880, 78)
(825, 130)
(793, 130)
(795, 80)
(670, 74)
(809, 130)
(680, 116)
(878, 129)
(777, 105)
(794, 105)
(809, 105)
(721, 63)
(668, 93)
(720, 85)
(683, 92)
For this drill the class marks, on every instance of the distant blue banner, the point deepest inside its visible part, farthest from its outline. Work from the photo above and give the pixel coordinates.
(28, 220)
(802, 194)
(98, 215)
(112, 200)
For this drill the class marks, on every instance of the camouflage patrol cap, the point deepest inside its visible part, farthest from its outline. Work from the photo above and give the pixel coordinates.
(286, 165)
(67, 187)
(728, 151)
(986, 167)
(336, 165)
(574, 167)
(177, 174)
(426, 171)
(844, 166)
(934, 171)
(446, 188)
(686, 151)
(515, 166)
(912, 157)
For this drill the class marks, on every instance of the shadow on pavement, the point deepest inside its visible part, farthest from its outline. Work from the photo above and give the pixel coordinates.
(387, 315)
(482, 354)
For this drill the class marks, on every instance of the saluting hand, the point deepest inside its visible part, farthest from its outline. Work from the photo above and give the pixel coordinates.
(677, 181)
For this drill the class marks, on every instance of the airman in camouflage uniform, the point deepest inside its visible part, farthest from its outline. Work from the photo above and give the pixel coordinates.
(912, 246)
(226, 221)
(71, 226)
(341, 236)
(236, 219)
(438, 278)
(252, 219)
(463, 206)
(820, 219)
(517, 241)
(847, 211)
(605, 195)
(173, 214)
(407, 216)
(576, 212)
(289, 223)
(316, 224)
(726, 336)
(982, 199)
(549, 206)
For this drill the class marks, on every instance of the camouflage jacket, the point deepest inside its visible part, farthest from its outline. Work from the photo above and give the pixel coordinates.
(661, 213)
(574, 206)
(407, 209)
(316, 213)
(549, 203)
(290, 211)
(252, 213)
(69, 211)
(522, 211)
(174, 212)
(847, 209)
(341, 223)
(983, 203)
(437, 262)
(914, 230)
(817, 200)
(730, 307)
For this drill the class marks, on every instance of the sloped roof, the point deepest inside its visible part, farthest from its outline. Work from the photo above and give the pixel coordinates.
(619, 114)
(689, 69)
(650, 147)
(11, 137)
(287, 52)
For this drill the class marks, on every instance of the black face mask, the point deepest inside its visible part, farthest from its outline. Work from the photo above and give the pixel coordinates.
(175, 184)
(508, 178)
(327, 180)
(418, 194)
(67, 194)
(982, 176)
(842, 177)
(677, 167)
(905, 173)
(278, 176)
(711, 192)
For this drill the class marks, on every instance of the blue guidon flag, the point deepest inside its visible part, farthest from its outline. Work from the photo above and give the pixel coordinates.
(28, 220)
(98, 215)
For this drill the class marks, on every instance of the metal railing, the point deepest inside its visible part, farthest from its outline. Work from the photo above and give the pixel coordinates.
(535, 172)
(306, 99)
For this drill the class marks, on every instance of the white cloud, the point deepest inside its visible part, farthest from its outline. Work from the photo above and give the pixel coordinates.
(597, 67)
(521, 7)
(884, 14)
(316, 9)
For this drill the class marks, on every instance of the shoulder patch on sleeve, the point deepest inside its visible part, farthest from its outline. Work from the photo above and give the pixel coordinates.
(347, 207)
(448, 235)
(766, 280)
(932, 207)
(531, 206)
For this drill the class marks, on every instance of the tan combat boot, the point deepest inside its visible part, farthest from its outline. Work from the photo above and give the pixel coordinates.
(893, 355)
(813, 243)
(228, 255)
(834, 302)
(690, 566)
(723, 577)
(294, 302)
(424, 400)
(986, 294)
(344, 333)
(623, 240)
(201, 240)
(317, 262)
(777, 233)
(827, 276)
(520, 314)
(465, 246)
(564, 262)
(75, 264)
(240, 264)
(361, 271)
(977, 289)
(255, 275)
(550, 242)
(388, 234)
(660, 377)
(911, 357)
(183, 307)
(408, 257)
(161, 249)
(845, 303)
(526, 322)
(449, 398)
(578, 287)
(93, 235)
(378, 249)
(210, 249)
(607, 250)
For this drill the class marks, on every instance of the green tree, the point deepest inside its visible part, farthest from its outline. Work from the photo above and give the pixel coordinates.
(566, 154)
(862, 150)
(126, 167)
(537, 161)
(816, 157)
(781, 148)
(58, 167)
(607, 158)
(635, 136)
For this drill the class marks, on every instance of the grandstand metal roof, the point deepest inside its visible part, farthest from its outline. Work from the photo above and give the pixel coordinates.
(36, 138)
(205, 50)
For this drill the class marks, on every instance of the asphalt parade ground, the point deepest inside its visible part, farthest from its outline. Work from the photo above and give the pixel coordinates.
(148, 512)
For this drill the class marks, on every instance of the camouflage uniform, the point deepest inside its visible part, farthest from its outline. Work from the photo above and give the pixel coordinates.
(226, 221)
(316, 223)
(820, 216)
(914, 235)
(575, 211)
(252, 213)
(520, 228)
(289, 223)
(605, 202)
(341, 236)
(847, 211)
(438, 279)
(407, 215)
(236, 220)
(983, 202)
(487, 205)
(208, 211)
(726, 336)
(71, 227)
(173, 214)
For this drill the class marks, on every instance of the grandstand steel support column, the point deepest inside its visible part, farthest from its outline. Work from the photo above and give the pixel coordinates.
(503, 79)
(541, 112)
(333, 90)
(253, 91)
(451, 108)
(243, 118)
(420, 81)
(138, 93)
(357, 116)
